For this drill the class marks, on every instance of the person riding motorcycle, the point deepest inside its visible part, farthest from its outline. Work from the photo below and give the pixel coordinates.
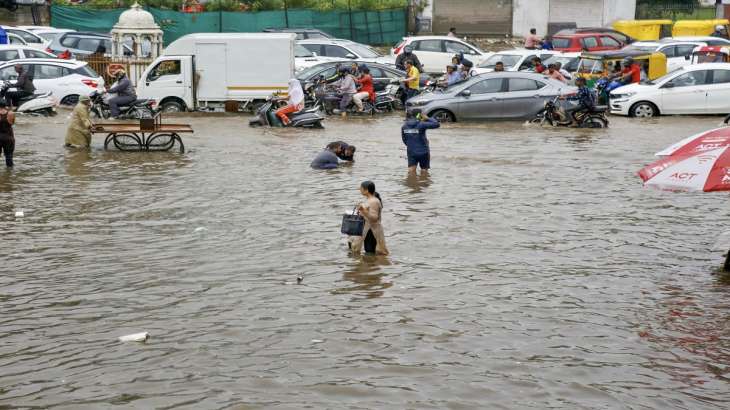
(720, 31)
(585, 97)
(346, 89)
(407, 54)
(23, 85)
(631, 73)
(467, 69)
(124, 91)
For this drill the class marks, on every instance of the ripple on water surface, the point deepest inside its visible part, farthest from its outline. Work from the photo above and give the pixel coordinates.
(529, 270)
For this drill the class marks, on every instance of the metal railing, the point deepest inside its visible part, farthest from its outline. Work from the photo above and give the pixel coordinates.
(107, 66)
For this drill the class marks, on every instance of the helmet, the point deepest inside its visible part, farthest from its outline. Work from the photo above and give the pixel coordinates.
(407, 49)
(719, 27)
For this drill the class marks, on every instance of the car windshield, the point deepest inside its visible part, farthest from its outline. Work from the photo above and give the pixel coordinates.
(87, 71)
(568, 63)
(665, 76)
(561, 43)
(363, 51)
(509, 60)
(301, 51)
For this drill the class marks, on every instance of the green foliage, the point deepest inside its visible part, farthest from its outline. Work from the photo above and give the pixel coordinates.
(247, 5)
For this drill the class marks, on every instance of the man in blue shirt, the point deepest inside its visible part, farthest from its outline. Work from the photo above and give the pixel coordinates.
(413, 134)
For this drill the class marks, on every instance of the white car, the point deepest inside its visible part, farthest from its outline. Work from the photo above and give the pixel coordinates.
(436, 52)
(678, 52)
(513, 60)
(693, 89)
(14, 52)
(709, 40)
(345, 49)
(568, 60)
(30, 38)
(303, 58)
(50, 34)
(66, 79)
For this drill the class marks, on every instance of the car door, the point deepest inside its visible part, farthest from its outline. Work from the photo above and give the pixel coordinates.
(53, 78)
(590, 43)
(610, 43)
(524, 97)
(430, 53)
(685, 93)
(7, 55)
(483, 102)
(380, 79)
(718, 92)
(452, 48)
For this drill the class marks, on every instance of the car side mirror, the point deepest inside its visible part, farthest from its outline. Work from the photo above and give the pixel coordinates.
(668, 85)
(351, 56)
(465, 93)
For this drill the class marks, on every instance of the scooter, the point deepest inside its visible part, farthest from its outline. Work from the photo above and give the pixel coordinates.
(266, 115)
(555, 115)
(36, 104)
(138, 109)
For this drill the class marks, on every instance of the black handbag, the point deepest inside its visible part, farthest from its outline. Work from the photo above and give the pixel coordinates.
(352, 224)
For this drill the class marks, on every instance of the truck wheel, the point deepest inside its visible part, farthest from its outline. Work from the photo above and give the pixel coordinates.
(172, 106)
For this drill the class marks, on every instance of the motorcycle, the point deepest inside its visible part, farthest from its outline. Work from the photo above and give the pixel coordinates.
(266, 115)
(556, 115)
(138, 109)
(387, 99)
(36, 104)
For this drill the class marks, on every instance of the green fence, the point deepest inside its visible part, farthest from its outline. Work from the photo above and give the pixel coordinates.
(370, 27)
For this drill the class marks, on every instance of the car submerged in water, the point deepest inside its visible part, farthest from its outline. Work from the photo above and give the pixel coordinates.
(491, 96)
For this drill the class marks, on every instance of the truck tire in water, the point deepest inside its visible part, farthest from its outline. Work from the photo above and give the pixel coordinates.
(172, 106)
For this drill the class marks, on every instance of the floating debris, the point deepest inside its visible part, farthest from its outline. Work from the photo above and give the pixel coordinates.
(136, 337)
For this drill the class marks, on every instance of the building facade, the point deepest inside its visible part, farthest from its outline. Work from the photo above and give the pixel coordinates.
(516, 17)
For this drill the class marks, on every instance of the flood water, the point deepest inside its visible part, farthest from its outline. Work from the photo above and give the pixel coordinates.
(531, 270)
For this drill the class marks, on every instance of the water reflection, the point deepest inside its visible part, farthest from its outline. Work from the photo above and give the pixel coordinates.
(417, 182)
(367, 276)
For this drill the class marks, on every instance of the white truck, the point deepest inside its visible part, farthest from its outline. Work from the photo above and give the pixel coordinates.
(204, 71)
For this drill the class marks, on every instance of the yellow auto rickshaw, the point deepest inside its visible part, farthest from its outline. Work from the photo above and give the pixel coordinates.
(697, 27)
(599, 64)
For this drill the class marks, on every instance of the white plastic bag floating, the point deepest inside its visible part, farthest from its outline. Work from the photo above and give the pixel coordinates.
(136, 337)
(19, 214)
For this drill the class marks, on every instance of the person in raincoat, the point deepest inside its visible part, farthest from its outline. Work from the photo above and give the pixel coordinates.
(79, 131)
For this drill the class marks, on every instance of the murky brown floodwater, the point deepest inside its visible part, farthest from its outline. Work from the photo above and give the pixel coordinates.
(531, 270)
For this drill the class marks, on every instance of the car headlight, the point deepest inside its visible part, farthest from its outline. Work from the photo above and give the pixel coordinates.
(419, 103)
(623, 95)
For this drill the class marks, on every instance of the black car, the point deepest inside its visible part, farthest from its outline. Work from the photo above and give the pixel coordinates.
(623, 38)
(302, 33)
(381, 73)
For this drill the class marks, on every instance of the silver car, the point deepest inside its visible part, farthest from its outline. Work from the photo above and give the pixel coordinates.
(503, 95)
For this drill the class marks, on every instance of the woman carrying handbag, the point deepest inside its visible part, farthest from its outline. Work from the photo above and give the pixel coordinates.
(372, 235)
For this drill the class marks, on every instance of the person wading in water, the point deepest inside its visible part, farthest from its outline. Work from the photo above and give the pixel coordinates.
(373, 236)
(7, 138)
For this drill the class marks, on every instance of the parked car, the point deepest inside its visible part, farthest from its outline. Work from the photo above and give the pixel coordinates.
(693, 89)
(678, 52)
(302, 33)
(82, 43)
(66, 79)
(346, 49)
(586, 41)
(624, 38)
(513, 60)
(50, 34)
(435, 52)
(382, 74)
(709, 40)
(568, 61)
(30, 38)
(16, 40)
(13, 52)
(304, 58)
(503, 95)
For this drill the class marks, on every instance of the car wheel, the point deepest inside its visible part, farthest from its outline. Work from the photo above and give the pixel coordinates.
(172, 106)
(70, 100)
(443, 116)
(643, 109)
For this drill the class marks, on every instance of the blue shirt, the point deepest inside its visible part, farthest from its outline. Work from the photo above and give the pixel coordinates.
(413, 134)
(325, 160)
(586, 98)
(453, 78)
